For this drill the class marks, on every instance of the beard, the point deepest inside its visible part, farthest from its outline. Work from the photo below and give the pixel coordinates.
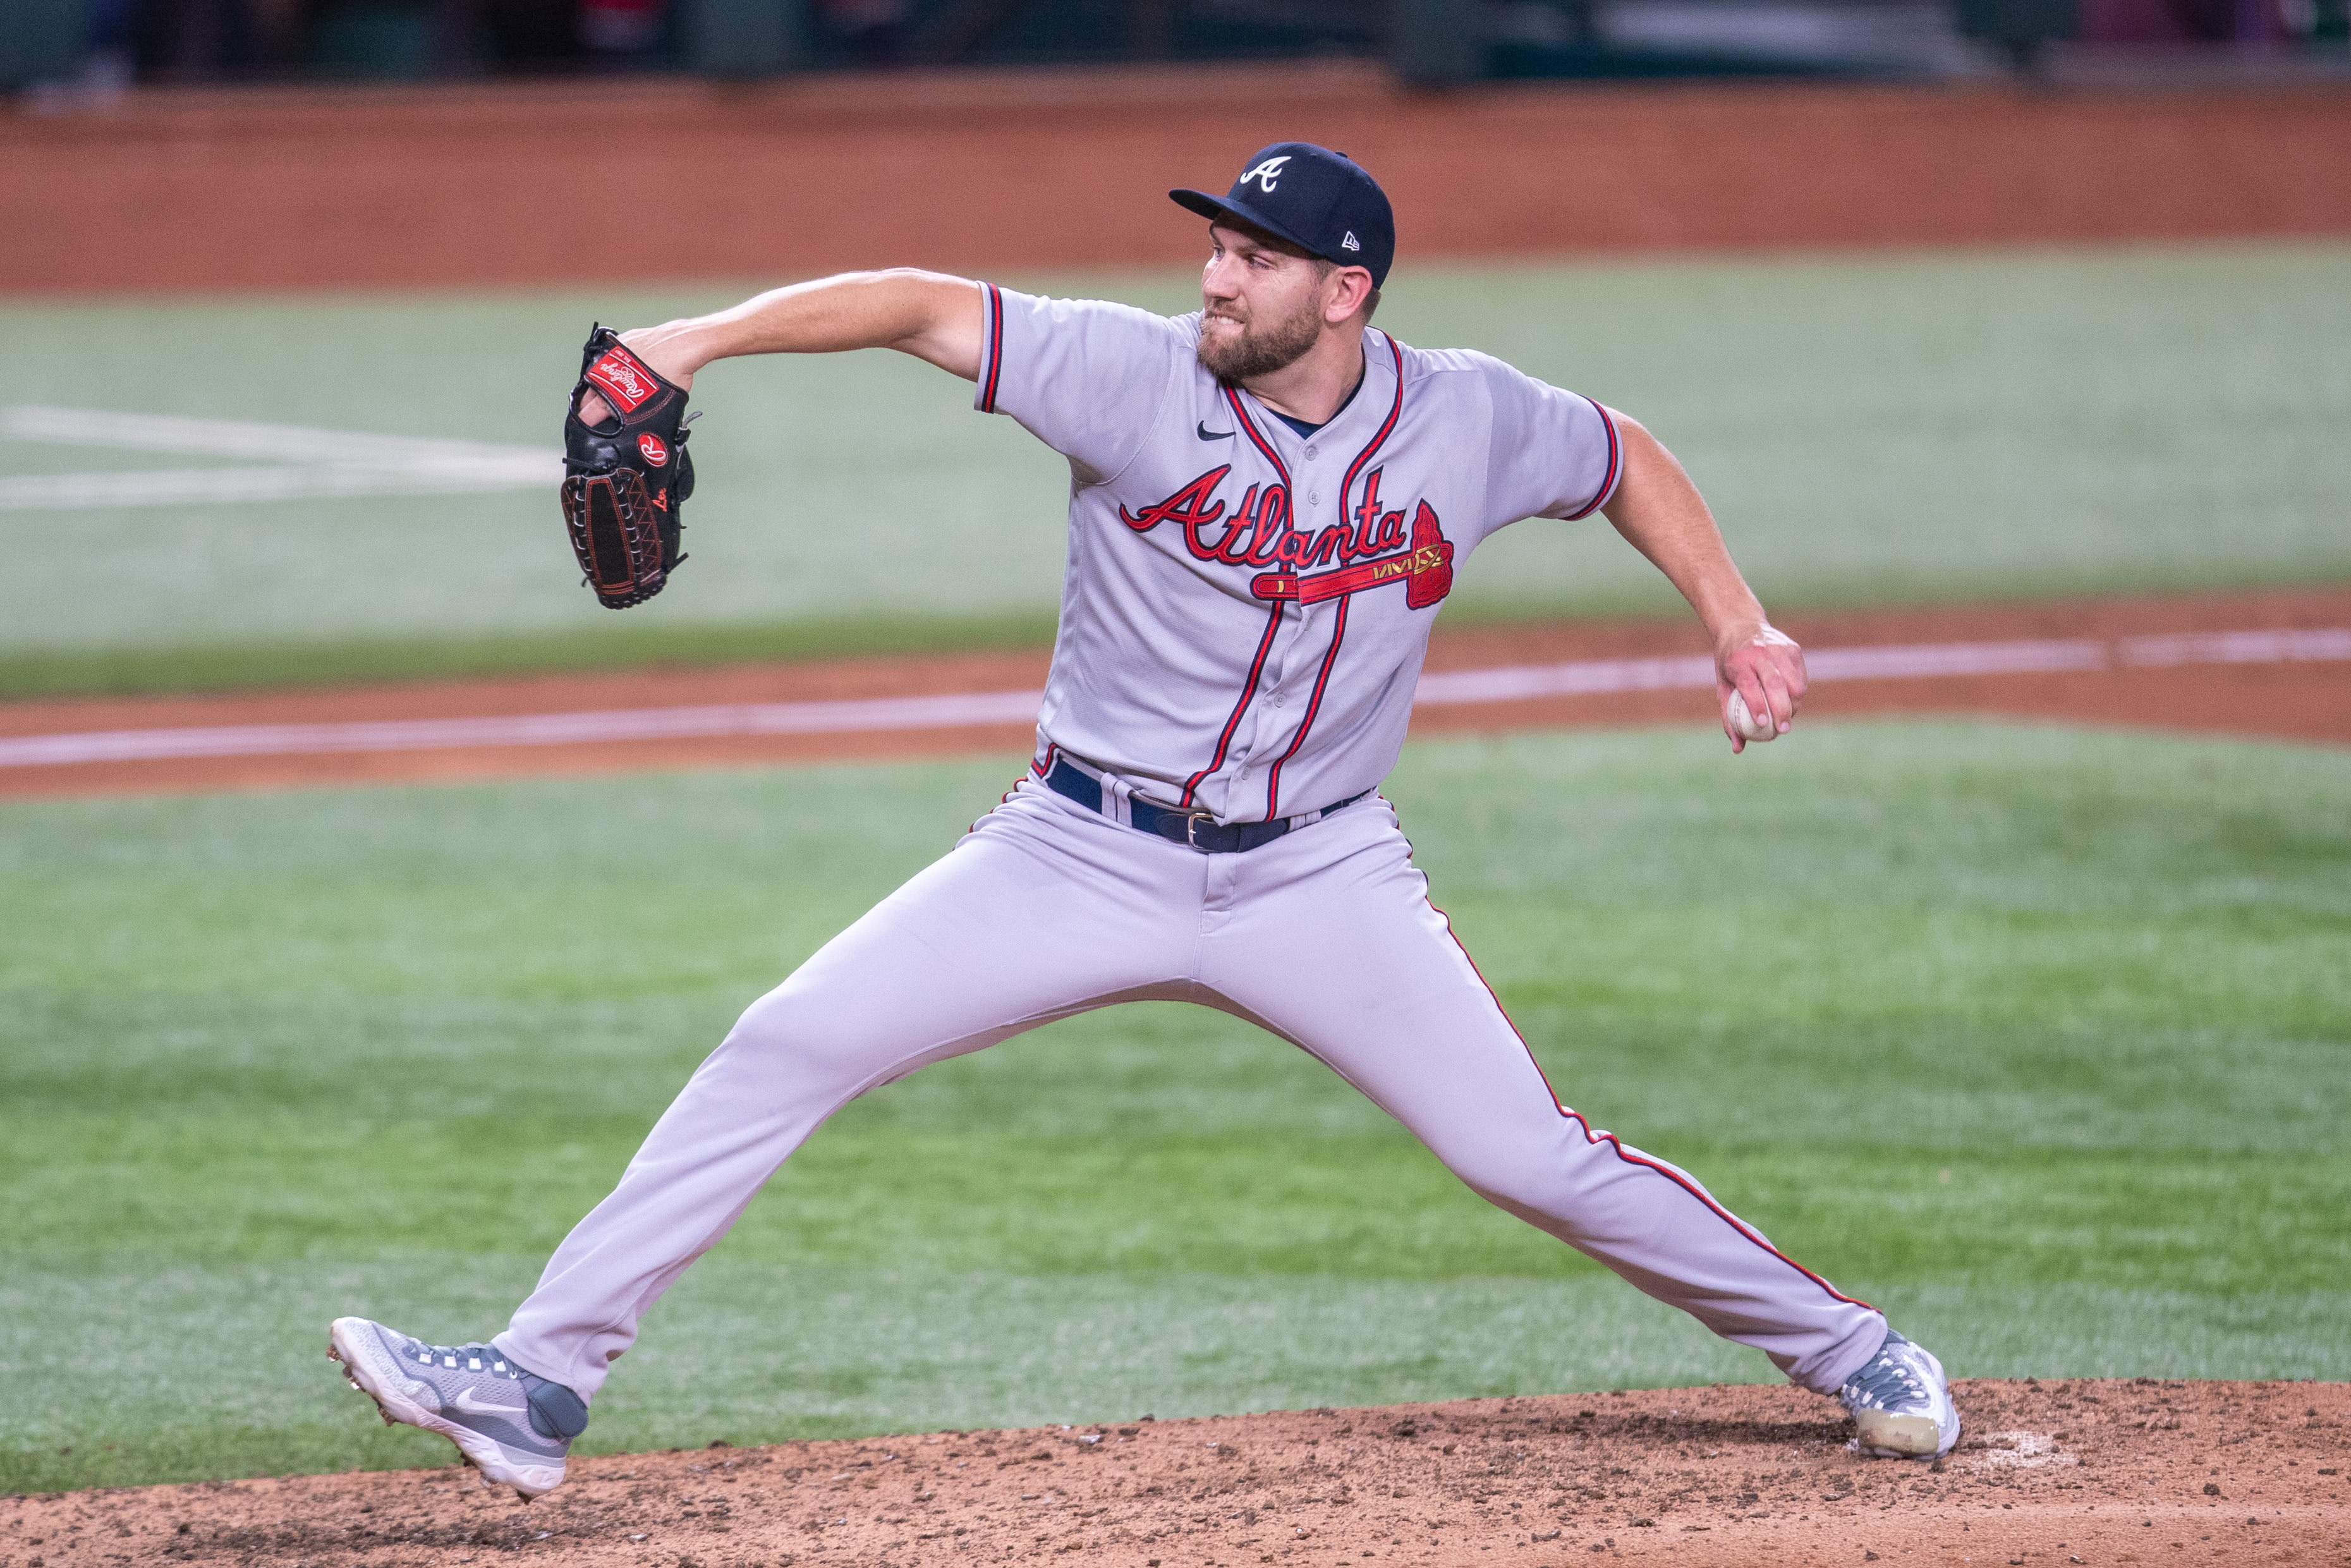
(1259, 348)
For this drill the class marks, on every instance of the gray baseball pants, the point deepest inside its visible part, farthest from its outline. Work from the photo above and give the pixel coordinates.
(1046, 909)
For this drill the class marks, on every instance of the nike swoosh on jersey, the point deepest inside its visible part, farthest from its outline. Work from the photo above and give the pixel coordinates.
(1207, 435)
(472, 1407)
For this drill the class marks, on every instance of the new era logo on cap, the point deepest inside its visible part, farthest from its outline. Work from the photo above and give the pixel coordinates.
(1320, 201)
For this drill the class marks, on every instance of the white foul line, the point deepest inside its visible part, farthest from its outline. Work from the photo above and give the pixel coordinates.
(949, 712)
(960, 710)
(303, 461)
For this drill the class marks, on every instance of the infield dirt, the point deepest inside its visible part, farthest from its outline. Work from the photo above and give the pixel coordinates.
(2305, 701)
(2059, 1472)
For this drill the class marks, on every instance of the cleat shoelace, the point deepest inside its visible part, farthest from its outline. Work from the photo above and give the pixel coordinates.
(476, 1358)
(1888, 1383)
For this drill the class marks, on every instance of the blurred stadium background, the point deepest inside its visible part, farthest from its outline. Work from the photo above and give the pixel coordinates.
(102, 44)
(2036, 1034)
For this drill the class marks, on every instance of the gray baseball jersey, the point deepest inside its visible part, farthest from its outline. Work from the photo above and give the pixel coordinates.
(1242, 623)
(1246, 609)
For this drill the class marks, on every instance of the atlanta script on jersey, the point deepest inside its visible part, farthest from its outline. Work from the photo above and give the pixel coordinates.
(1245, 609)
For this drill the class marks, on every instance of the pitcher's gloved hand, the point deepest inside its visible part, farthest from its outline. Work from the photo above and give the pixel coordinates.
(626, 476)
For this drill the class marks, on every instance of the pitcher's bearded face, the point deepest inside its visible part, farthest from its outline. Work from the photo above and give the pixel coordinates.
(1260, 304)
(1239, 345)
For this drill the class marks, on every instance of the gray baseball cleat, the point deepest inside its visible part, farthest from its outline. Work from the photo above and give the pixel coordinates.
(511, 1424)
(1901, 1404)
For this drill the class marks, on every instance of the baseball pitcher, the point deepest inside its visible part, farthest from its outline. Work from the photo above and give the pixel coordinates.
(1270, 497)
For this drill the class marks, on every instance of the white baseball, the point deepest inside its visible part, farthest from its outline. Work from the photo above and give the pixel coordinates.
(1747, 724)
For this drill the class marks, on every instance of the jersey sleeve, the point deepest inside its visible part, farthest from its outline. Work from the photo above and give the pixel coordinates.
(1084, 376)
(1555, 453)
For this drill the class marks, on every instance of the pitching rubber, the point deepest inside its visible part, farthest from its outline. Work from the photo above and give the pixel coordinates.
(379, 1377)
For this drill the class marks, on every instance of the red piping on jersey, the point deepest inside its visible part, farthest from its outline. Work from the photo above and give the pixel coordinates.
(1272, 622)
(1040, 769)
(1396, 411)
(1233, 396)
(1248, 690)
(1615, 456)
(1313, 705)
(1339, 627)
(1629, 1157)
(995, 325)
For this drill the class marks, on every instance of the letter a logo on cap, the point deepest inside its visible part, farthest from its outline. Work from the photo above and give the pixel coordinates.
(1265, 174)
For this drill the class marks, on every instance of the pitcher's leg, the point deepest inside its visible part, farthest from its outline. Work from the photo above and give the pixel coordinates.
(1035, 915)
(1402, 1013)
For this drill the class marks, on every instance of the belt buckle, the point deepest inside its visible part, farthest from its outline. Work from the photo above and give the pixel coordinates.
(1192, 821)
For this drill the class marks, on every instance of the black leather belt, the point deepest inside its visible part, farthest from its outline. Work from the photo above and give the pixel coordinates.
(1198, 830)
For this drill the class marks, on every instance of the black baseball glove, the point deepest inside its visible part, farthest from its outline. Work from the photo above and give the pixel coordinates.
(626, 477)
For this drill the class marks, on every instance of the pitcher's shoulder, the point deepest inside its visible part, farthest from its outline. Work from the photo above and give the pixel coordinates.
(1111, 317)
(1440, 364)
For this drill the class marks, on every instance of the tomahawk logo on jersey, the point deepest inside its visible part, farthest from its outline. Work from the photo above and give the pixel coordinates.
(1242, 625)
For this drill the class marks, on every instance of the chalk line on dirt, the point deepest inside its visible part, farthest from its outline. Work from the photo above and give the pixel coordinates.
(1510, 683)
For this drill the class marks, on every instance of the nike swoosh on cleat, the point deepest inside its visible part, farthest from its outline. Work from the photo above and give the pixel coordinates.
(472, 1407)
(1207, 435)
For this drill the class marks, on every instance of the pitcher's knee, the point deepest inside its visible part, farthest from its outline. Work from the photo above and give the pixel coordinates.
(1560, 1184)
(1508, 1180)
(782, 1038)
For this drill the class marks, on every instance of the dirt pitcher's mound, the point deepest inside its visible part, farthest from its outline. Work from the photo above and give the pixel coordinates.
(2061, 1472)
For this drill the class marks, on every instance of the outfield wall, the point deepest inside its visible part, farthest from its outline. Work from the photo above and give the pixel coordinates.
(663, 178)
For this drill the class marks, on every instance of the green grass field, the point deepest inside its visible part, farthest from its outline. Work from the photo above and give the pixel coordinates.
(2037, 1037)
(1870, 430)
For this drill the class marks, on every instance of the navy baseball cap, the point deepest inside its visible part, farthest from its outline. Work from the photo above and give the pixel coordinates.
(1318, 200)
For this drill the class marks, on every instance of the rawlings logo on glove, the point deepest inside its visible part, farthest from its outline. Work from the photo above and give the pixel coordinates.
(626, 477)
